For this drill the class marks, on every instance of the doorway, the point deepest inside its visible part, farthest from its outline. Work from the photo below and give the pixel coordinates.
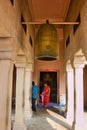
(50, 77)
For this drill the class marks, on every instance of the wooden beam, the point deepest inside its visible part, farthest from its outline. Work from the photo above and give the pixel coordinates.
(65, 23)
(60, 23)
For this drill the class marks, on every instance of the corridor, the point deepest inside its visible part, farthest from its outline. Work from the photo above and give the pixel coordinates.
(47, 119)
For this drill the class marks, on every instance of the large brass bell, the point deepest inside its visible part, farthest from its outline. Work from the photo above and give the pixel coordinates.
(46, 43)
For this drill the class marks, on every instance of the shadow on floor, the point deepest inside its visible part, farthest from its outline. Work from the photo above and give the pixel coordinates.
(47, 119)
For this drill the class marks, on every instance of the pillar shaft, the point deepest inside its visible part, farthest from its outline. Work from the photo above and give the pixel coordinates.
(28, 92)
(79, 62)
(9, 111)
(19, 117)
(70, 96)
(6, 74)
(79, 115)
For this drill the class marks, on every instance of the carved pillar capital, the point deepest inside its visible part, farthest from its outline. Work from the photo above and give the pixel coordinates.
(79, 61)
(29, 67)
(69, 67)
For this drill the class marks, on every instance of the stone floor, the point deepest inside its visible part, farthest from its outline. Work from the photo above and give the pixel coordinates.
(49, 119)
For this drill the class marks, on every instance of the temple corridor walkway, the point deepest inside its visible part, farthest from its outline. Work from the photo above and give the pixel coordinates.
(47, 119)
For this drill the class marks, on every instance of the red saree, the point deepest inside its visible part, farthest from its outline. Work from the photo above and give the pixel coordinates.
(46, 95)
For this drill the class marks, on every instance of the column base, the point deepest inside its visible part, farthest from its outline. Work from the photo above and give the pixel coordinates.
(19, 127)
(28, 115)
(69, 122)
(78, 127)
(69, 118)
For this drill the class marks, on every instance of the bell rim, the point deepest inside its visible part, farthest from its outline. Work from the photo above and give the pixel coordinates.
(47, 58)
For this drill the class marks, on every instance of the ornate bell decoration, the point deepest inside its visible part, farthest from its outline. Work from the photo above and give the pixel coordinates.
(47, 44)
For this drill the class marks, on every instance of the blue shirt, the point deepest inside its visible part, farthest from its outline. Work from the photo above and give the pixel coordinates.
(35, 91)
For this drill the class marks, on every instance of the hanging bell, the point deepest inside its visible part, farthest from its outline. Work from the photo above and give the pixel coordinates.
(46, 43)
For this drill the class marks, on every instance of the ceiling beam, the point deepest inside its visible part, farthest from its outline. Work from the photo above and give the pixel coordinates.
(60, 23)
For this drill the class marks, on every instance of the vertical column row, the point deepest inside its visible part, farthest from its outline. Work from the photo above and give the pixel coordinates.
(23, 95)
(75, 93)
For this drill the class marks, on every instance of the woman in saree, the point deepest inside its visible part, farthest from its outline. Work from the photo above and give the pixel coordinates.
(46, 93)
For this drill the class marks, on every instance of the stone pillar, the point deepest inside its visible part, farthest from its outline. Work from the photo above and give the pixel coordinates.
(70, 94)
(9, 100)
(19, 116)
(28, 92)
(78, 96)
(6, 74)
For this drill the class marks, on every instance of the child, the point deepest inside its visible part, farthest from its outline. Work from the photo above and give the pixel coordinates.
(42, 96)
